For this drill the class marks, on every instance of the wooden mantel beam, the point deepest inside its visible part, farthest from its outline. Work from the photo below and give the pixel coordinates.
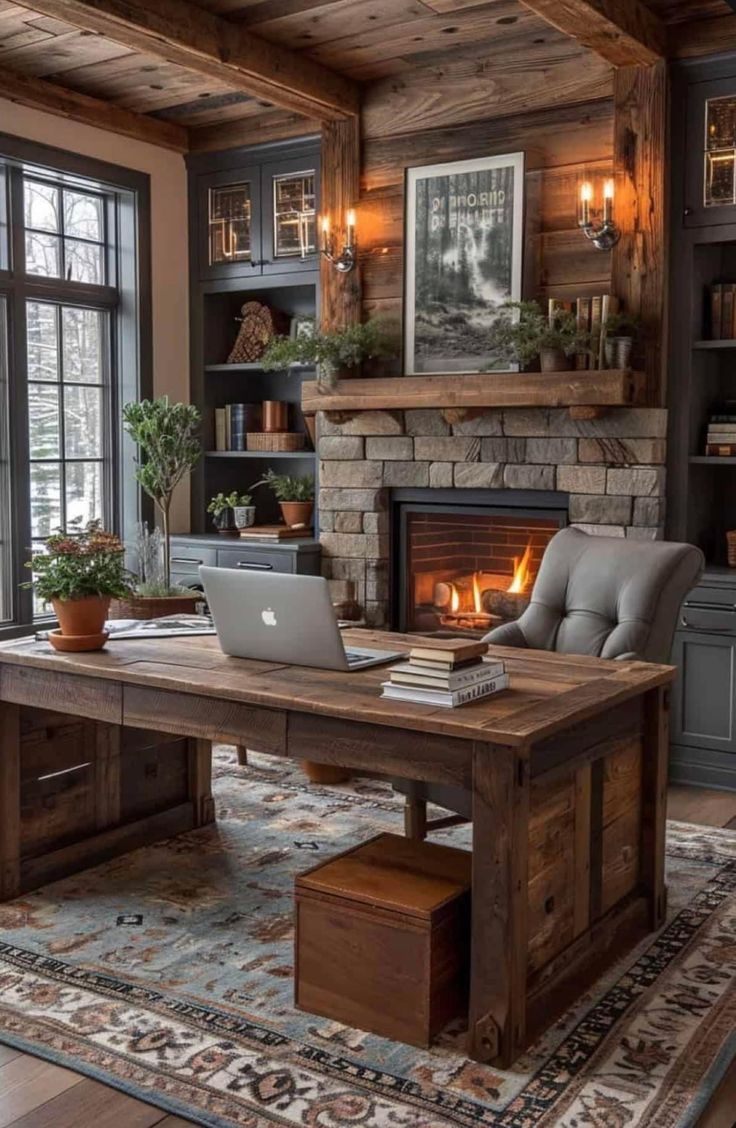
(624, 32)
(202, 42)
(54, 99)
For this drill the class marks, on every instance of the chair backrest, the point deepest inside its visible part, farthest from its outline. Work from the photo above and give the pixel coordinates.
(606, 596)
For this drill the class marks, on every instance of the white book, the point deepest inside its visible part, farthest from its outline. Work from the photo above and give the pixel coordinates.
(445, 700)
(407, 673)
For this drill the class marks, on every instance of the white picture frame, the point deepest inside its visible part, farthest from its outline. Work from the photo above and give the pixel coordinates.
(464, 237)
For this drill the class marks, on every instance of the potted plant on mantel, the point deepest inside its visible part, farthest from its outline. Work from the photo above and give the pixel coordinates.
(332, 352)
(166, 436)
(523, 331)
(79, 574)
(294, 495)
(621, 331)
(232, 512)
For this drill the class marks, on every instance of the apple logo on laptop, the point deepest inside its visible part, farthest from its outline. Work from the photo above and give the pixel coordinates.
(269, 617)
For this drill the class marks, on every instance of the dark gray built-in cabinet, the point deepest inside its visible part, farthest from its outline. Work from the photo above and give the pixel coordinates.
(253, 236)
(701, 505)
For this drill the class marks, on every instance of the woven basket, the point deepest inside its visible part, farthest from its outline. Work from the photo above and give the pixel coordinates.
(731, 544)
(149, 607)
(280, 440)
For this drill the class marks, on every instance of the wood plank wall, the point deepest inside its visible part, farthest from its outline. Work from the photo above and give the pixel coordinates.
(566, 144)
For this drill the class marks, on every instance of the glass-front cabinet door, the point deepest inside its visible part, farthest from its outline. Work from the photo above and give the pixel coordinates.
(290, 215)
(710, 194)
(230, 223)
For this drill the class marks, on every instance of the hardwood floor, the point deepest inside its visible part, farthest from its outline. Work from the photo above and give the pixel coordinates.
(36, 1094)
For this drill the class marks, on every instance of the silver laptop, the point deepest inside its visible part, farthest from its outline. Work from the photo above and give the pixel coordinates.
(278, 618)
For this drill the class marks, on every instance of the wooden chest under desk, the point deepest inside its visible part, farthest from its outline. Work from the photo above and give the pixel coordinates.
(567, 772)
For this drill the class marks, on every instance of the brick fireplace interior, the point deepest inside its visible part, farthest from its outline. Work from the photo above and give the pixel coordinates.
(464, 568)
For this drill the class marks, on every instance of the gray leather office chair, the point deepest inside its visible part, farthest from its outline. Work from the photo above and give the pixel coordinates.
(608, 597)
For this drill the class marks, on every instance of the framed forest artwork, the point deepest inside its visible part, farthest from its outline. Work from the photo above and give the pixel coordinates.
(464, 237)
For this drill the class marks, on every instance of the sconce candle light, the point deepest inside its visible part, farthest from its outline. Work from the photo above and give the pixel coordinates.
(345, 261)
(603, 235)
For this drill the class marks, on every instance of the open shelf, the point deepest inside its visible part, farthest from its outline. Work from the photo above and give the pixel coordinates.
(254, 367)
(711, 460)
(260, 454)
(728, 343)
(611, 387)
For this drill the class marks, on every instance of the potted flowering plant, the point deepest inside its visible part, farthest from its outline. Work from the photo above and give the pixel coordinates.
(79, 575)
(294, 495)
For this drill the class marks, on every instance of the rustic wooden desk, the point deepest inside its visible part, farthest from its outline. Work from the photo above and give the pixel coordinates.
(102, 752)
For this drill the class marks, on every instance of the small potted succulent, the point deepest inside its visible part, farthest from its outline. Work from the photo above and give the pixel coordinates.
(333, 352)
(294, 495)
(522, 332)
(621, 331)
(231, 512)
(79, 574)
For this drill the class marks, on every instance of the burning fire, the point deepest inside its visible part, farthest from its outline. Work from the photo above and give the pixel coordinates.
(520, 581)
(522, 572)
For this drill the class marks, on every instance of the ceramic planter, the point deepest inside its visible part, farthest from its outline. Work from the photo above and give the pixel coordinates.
(244, 516)
(224, 522)
(81, 623)
(553, 360)
(297, 513)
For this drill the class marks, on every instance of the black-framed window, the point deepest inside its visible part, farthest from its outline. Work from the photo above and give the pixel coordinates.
(74, 346)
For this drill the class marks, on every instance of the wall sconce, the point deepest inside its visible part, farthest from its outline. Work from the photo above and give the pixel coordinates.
(601, 230)
(345, 261)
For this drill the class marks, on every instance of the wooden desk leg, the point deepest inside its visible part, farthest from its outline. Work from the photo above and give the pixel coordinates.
(654, 800)
(200, 781)
(497, 1006)
(9, 801)
(242, 752)
(415, 818)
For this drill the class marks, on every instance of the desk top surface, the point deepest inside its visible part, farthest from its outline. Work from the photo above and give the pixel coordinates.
(547, 693)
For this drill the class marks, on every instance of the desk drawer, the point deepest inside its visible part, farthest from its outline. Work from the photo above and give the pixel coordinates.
(707, 620)
(255, 560)
(712, 596)
(186, 559)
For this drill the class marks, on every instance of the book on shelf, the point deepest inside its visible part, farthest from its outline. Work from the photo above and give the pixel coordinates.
(716, 295)
(233, 421)
(584, 360)
(408, 673)
(220, 428)
(446, 699)
(274, 532)
(590, 314)
(722, 306)
(721, 450)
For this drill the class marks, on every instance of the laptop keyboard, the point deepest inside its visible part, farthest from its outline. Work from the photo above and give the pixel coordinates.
(354, 657)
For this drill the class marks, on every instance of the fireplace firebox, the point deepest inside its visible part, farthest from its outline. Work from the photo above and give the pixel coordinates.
(465, 561)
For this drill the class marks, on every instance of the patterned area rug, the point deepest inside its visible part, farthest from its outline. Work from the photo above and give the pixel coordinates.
(168, 974)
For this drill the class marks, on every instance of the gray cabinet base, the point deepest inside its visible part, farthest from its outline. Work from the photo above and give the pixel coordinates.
(702, 768)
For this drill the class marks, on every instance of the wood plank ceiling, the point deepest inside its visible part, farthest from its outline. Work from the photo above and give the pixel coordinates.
(490, 56)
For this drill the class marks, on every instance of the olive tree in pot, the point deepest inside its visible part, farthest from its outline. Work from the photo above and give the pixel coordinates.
(166, 436)
(332, 352)
(294, 495)
(79, 574)
(522, 332)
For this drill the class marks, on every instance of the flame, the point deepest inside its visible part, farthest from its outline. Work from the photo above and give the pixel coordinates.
(522, 572)
(477, 605)
(454, 599)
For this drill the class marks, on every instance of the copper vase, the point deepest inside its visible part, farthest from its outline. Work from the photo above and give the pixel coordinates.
(275, 416)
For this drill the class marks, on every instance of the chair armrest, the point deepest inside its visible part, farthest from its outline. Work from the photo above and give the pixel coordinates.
(510, 634)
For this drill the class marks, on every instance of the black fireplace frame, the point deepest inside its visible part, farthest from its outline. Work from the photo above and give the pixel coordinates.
(490, 503)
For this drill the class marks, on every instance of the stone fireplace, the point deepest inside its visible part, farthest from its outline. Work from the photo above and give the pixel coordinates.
(605, 475)
(464, 561)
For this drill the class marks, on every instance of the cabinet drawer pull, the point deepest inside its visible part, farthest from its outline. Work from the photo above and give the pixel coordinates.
(185, 560)
(705, 630)
(254, 566)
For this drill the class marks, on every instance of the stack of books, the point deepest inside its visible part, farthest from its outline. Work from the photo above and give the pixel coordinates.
(591, 315)
(723, 311)
(720, 439)
(232, 424)
(446, 672)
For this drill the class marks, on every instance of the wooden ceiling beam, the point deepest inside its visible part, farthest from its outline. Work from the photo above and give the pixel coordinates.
(202, 42)
(623, 32)
(54, 99)
(703, 37)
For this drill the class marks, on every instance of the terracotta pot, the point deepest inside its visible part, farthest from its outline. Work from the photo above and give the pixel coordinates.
(82, 616)
(297, 512)
(553, 360)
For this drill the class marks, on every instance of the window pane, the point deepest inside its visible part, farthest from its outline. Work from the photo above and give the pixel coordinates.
(82, 345)
(43, 344)
(41, 205)
(43, 254)
(6, 545)
(45, 498)
(82, 215)
(43, 421)
(83, 262)
(82, 422)
(84, 501)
